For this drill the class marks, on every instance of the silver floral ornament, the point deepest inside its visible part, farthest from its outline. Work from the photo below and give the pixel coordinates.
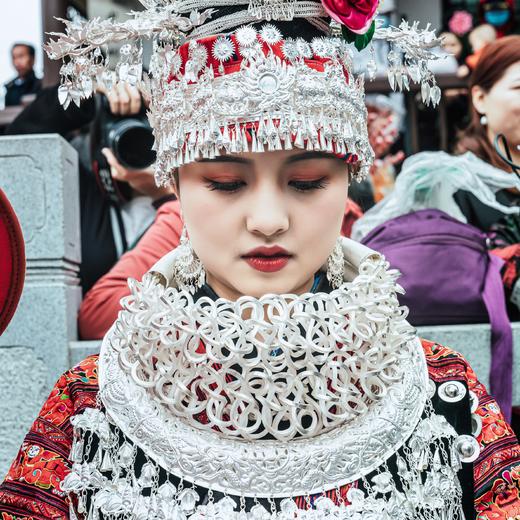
(126, 50)
(223, 49)
(83, 476)
(173, 60)
(246, 36)
(198, 54)
(252, 52)
(304, 48)
(290, 49)
(321, 47)
(382, 483)
(270, 34)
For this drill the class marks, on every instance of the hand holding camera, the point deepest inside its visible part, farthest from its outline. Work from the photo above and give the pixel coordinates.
(124, 99)
(141, 181)
(121, 142)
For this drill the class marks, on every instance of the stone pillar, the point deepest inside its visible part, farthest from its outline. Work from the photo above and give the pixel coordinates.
(39, 174)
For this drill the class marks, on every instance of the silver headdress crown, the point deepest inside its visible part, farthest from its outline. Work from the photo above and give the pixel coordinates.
(218, 84)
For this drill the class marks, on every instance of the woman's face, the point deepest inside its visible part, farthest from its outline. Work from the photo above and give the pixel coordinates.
(263, 222)
(451, 44)
(501, 106)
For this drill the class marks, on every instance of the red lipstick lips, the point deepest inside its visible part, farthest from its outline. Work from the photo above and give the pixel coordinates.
(267, 259)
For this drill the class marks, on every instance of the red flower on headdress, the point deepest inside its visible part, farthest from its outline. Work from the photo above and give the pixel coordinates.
(356, 15)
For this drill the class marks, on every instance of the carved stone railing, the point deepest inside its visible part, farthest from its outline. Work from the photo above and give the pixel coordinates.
(39, 175)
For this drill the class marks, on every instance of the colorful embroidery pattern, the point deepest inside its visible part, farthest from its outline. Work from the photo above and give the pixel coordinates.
(497, 470)
(31, 489)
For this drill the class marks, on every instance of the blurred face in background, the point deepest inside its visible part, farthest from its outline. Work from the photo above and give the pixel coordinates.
(501, 106)
(451, 44)
(23, 62)
(263, 222)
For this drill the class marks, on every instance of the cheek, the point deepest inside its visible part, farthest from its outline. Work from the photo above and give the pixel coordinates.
(211, 223)
(320, 219)
(504, 110)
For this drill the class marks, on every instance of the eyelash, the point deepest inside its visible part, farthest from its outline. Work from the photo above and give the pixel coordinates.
(317, 184)
(234, 186)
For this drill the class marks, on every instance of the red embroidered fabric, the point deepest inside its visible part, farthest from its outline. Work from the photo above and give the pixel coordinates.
(31, 489)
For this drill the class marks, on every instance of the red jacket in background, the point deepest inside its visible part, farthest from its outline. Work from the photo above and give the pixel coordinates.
(101, 305)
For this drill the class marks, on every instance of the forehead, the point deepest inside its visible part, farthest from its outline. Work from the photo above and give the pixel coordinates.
(449, 38)
(512, 73)
(20, 50)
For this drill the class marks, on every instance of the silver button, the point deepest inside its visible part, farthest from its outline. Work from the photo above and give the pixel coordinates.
(476, 425)
(473, 401)
(467, 448)
(452, 391)
(432, 388)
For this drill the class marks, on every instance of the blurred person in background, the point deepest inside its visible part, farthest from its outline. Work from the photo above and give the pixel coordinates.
(495, 109)
(455, 99)
(498, 13)
(385, 114)
(477, 187)
(452, 45)
(26, 82)
(479, 38)
(117, 202)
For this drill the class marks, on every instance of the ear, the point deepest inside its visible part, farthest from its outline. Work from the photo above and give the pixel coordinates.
(175, 184)
(479, 98)
(175, 190)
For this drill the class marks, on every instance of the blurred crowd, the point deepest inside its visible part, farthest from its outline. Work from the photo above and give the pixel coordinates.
(440, 204)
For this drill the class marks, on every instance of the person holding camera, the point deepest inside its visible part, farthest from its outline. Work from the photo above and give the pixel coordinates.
(118, 196)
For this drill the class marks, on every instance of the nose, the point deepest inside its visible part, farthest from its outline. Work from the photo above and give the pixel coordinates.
(267, 212)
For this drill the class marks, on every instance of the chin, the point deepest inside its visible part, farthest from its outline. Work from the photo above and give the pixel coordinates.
(283, 282)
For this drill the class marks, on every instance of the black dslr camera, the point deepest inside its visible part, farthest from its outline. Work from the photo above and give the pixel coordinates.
(131, 140)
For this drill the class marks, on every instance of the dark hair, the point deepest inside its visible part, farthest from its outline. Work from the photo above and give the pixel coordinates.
(30, 48)
(496, 58)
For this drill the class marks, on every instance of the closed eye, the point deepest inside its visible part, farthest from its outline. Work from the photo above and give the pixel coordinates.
(230, 187)
(315, 184)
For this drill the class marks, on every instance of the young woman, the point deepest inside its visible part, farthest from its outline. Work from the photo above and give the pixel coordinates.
(495, 109)
(264, 369)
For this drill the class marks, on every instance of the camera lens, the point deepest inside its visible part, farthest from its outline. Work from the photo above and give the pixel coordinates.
(131, 140)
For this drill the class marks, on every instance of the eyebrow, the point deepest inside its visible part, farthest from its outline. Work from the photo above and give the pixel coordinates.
(305, 156)
(226, 158)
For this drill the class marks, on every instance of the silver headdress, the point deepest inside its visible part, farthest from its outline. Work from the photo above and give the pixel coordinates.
(217, 83)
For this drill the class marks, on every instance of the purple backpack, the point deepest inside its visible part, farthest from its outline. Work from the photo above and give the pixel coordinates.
(450, 278)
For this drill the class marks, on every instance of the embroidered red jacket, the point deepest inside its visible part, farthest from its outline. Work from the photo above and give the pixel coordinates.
(31, 490)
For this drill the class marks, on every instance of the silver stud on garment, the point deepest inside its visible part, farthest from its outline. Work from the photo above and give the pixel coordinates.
(452, 391)
(476, 425)
(467, 448)
(473, 400)
(432, 388)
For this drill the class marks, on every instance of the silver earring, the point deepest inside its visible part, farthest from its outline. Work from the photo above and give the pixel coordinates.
(484, 120)
(336, 265)
(189, 272)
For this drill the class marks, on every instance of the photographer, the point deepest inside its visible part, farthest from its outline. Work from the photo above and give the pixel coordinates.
(118, 201)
